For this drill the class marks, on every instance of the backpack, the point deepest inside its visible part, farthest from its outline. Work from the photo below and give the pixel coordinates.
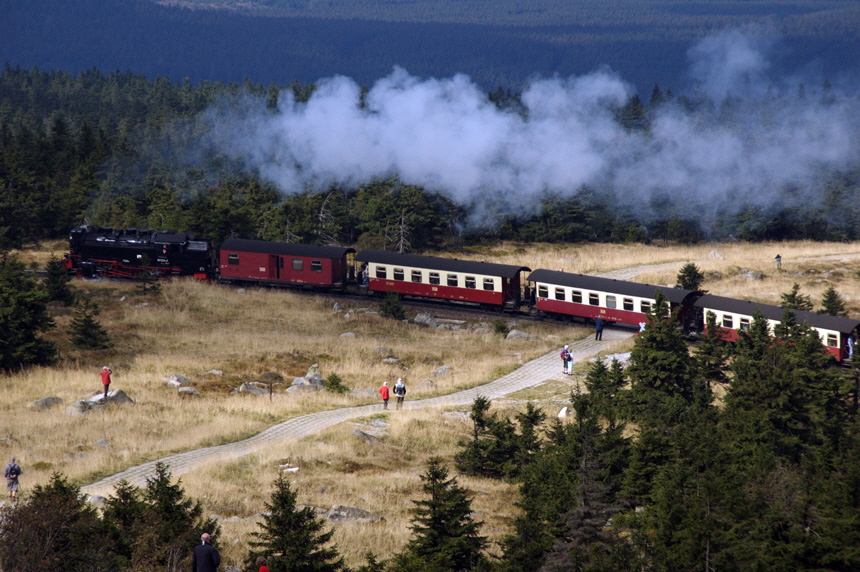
(14, 471)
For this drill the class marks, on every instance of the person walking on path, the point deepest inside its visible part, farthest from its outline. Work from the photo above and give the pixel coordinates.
(106, 371)
(598, 329)
(205, 557)
(399, 392)
(11, 473)
(383, 391)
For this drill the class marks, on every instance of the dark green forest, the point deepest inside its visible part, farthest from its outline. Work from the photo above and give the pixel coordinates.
(113, 150)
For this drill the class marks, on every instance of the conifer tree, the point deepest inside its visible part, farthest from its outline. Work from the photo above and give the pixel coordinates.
(832, 303)
(794, 300)
(292, 538)
(23, 318)
(171, 525)
(660, 370)
(57, 282)
(690, 278)
(445, 537)
(123, 512)
(55, 529)
(86, 332)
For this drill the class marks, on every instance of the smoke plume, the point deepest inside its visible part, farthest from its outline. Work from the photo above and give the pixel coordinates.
(739, 137)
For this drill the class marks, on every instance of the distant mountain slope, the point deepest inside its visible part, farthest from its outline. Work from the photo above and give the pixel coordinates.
(220, 45)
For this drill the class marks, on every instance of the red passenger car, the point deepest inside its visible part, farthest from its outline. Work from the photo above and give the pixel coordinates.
(283, 264)
(590, 297)
(483, 283)
(735, 316)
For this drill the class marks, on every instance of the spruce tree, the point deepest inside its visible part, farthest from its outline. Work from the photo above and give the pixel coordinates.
(170, 526)
(444, 535)
(57, 282)
(23, 318)
(794, 300)
(86, 332)
(832, 303)
(690, 278)
(55, 529)
(291, 538)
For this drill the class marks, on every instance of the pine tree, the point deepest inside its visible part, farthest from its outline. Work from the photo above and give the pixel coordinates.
(444, 535)
(832, 303)
(57, 282)
(124, 511)
(794, 300)
(690, 278)
(171, 525)
(291, 537)
(23, 318)
(55, 529)
(85, 331)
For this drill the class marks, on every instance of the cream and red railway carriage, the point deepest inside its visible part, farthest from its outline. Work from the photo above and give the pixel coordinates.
(590, 297)
(484, 283)
(735, 316)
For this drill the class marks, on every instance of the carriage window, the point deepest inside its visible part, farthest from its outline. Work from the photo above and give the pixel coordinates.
(316, 265)
(453, 280)
(298, 264)
(628, 304)
(559, 294)
(543, 291)
(416, 276)
(381, 272)
(576, 296)
(233, 258)
(745, 324)
(398, 274)
(489, 284)
(645, 307)
(594, 299)
(471, 282)
(434, 278)
(832, 341)
(728, 322)
(610, 302)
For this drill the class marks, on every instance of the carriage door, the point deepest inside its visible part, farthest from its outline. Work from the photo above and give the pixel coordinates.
(275, 265)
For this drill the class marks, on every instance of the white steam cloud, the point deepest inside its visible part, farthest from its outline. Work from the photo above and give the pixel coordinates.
(747, 139)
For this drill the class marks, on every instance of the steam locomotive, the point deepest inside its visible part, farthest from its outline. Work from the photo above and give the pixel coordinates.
(126, 253)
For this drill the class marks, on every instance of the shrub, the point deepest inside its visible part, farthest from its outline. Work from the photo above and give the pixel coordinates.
(391, 307)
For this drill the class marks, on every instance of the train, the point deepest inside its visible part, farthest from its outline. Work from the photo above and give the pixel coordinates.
(126, 253)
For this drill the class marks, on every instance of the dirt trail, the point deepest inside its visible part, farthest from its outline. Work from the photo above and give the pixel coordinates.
(532, 373)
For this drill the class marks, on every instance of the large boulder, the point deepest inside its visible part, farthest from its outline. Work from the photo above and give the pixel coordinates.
(251, 389)
(339, 513)
(45, 403)
(425, 320)
(517, 335)
(117, 397)
(442, 370)
(189, 392)
(177, 380)
(367, 437)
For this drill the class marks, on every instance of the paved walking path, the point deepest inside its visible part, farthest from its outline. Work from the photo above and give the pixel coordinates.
(529, 374)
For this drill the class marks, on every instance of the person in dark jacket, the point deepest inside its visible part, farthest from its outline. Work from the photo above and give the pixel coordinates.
(598, 328)
(205, 557)
(11, 473)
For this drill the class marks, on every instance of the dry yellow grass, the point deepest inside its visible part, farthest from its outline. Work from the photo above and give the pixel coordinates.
(195, 327)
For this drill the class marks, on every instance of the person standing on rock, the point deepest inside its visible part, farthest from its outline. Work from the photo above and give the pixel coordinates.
(205, 557)
(598, 329)
(106, 371)
(11, 473)
(383, 391)
(399, 392)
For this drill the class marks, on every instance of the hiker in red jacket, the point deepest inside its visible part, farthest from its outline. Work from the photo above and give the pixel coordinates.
(383, 391)
(106, 371)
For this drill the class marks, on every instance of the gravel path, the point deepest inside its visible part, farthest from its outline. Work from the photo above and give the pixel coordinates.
(532, 373)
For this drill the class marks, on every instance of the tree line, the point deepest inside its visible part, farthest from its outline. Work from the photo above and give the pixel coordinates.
(101, 149)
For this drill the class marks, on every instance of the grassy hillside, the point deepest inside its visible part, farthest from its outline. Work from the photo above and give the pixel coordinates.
(194, 328)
